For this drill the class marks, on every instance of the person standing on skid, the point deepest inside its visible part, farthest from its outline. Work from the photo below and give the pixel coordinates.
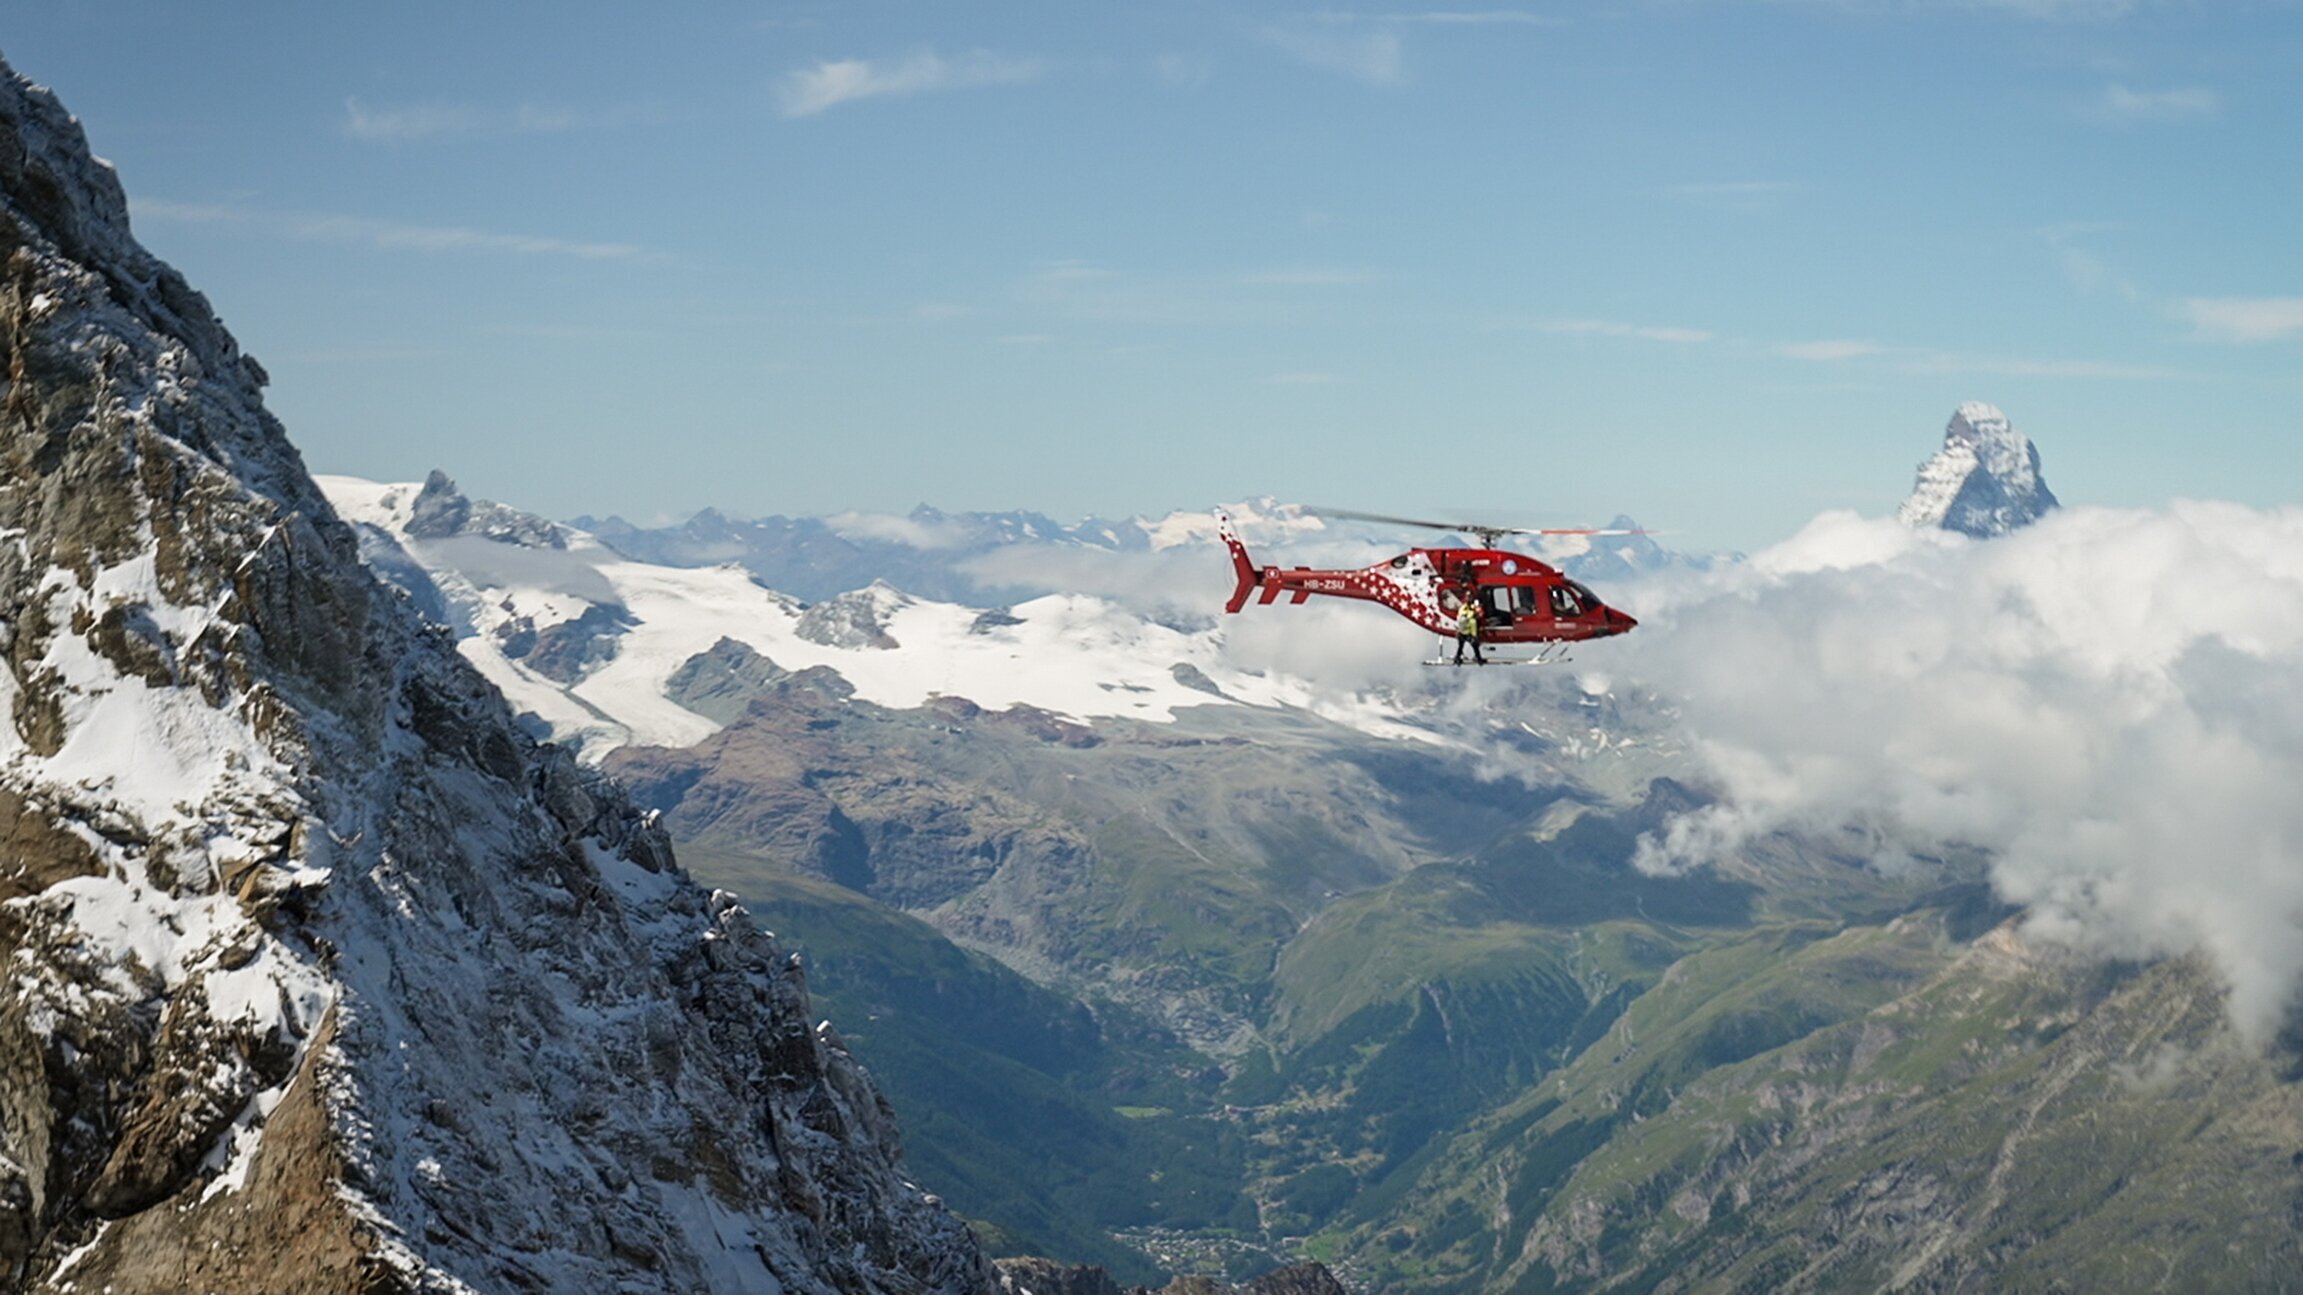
(1467, 630)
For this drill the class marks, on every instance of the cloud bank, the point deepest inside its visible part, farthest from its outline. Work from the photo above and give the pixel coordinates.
(2111, 702)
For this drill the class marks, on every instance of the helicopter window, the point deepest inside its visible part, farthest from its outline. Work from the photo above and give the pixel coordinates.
(1565, 600)
(1523, 601)
(1495, 606)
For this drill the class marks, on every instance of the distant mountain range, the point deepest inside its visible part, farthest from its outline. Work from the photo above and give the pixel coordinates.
(1180, 965)
(594, 645)
(946, 556)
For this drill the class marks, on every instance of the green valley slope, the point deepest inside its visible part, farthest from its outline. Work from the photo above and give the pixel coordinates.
(1253, 985)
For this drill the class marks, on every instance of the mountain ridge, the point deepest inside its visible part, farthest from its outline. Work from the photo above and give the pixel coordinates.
(325, 964)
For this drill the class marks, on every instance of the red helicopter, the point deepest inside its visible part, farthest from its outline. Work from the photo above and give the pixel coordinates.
(1521, 599)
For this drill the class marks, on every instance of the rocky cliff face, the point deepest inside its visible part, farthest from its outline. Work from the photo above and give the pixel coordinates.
(1984, 481)
(319, 970)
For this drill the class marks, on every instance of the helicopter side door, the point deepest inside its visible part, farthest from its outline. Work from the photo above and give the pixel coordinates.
(1503, 604)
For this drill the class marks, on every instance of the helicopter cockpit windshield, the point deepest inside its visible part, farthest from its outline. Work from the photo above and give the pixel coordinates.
(1569, 600)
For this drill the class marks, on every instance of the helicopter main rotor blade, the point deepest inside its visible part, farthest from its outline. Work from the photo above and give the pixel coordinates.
(1471, 528)
(1459, 527)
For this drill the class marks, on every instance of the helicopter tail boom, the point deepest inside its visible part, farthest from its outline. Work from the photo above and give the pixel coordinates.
(1245, 568)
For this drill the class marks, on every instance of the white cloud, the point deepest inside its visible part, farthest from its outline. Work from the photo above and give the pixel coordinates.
(2245, 319)
(1373, 57)
(1829, 349)
(2037, 10)
(1611, 328)
(408, 122)
(2117, 103)
(384, 235)
(2054, 10)
(1190, 71)
(1075, 271)
(1912, 359)
(1453, 18)
(831, 83)
(1152, 583)
(1747, 196)
(2087, 272)
(1312, 276)
(397, 125)
(908, 531)
(394, 235)
(2110, 702)
(1082, 291)
(2016, 366)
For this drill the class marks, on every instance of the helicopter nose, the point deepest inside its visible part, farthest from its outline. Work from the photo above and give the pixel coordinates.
(1617, 622)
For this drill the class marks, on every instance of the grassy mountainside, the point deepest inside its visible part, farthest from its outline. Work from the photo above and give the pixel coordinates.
(1032, 1115)
(1156, 866)
(1253, 985)
(1880, 1108)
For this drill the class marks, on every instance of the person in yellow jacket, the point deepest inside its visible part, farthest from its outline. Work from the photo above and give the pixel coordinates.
(1467, 630)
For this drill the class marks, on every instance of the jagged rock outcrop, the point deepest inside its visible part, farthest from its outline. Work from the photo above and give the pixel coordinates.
(440, 510)
(855, 620)
(721, 681)
(323, 976)
(565, 651)
(1984, 481)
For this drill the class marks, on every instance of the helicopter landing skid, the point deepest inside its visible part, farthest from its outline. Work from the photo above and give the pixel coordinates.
(1552, 654)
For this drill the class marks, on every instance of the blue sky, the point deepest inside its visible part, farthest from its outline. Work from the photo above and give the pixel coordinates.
(1720, 264)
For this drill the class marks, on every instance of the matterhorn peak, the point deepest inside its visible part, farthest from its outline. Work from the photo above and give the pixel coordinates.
(1984, 481)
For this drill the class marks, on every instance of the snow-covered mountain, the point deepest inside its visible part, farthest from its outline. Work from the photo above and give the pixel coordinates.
(1004, 557)
(590, 641)
(1984, 481)
(927, 552)
(323, 975)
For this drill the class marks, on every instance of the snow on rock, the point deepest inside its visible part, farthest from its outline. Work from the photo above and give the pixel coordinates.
(1984, 481)
(317, 964)
(1077, 655)
(1263, 520)
(440, 510)
(854, 620)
